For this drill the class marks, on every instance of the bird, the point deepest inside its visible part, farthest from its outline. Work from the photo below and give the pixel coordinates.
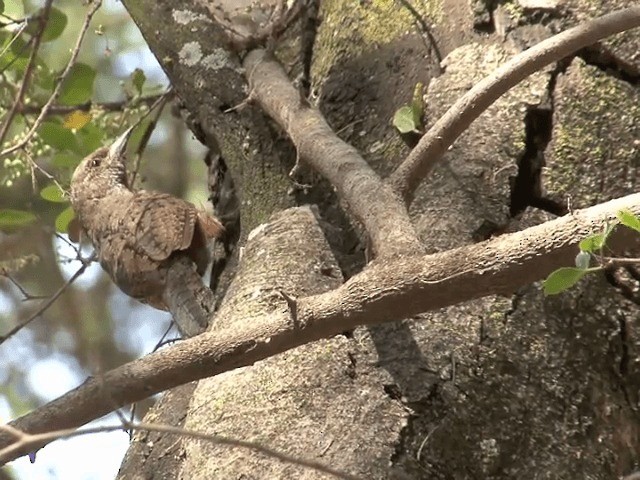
(154, 246)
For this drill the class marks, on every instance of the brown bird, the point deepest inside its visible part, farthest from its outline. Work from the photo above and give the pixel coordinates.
(153, 245)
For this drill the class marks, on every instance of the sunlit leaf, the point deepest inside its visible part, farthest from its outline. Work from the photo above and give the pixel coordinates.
(52, 193)
(564, 278)
(405, 120)
(78, 86)
(58, 137)
(55, 24)
(137, 79)
(11, 219)
(63, 220)
(629, 219)
(595, 243)
(76, 119)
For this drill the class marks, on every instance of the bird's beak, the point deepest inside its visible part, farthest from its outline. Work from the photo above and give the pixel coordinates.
(119, 146)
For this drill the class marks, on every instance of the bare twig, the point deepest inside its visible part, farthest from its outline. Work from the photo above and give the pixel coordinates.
(382, 214)
(15, 37)
(85, 107)
(26, 79)
(158, 106)
(27, 296)
(386, 291)
(56, 91)
(31, 442)
(47, 303)
(450, 126)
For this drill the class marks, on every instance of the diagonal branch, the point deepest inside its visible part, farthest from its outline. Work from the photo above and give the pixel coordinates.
(450, 126)
(24, 85)
(373, 203)
(387, 290)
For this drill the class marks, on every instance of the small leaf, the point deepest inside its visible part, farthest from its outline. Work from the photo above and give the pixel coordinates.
(78, 86)
(52, 193)
(64, 219)
(76, 119)
(405, 120)
(629, 219)
(137, 79)
(58, 137)
(583, 259)
(562, 279)
(90, 138)
(53, 29)
(17, 55)
(11, 219)
(595, 243)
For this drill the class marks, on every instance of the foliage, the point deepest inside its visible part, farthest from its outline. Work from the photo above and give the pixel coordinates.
(76, 125)
(408, 118)
(591, 247)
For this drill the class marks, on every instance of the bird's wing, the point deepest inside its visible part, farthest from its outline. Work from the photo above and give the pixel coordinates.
(163, 223)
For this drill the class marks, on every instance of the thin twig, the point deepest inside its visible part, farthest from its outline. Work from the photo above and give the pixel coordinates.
(25, 294)
(34, 166)
(34, 441)
(116, 106)
(15, 37)
(158, 106)
(56, 92)
(47, 303)
(455, 121)
(28, 72)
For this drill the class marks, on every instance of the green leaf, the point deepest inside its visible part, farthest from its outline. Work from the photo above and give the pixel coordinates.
(17, 55)
(1, 6)
(58, 137)
(64, 219)
(629, 219)
(137, 79)
(405, 120)
(52, 193)
(54, 28)
(78, 86)
(595, 243)
(44, 77)
(66, 160)
(11, 219)
(90, 138)
(564, 278)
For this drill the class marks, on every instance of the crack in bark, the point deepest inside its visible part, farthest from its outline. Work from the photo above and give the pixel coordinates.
(601, 57)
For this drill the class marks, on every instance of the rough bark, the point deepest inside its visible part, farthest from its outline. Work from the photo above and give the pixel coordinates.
(502, 387)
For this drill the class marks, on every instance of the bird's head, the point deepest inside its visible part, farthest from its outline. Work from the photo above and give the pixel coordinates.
(101, 172)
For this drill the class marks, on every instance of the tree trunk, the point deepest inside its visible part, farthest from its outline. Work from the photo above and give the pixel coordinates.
(519, 387)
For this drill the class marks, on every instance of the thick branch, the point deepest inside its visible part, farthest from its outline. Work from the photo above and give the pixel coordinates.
(373, 203)
(387, 290)
(450, 126)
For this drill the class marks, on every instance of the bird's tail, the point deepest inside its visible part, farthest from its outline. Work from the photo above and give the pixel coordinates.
(187, 298)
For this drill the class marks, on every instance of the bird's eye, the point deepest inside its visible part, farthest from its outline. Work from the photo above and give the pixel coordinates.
(95, 162)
